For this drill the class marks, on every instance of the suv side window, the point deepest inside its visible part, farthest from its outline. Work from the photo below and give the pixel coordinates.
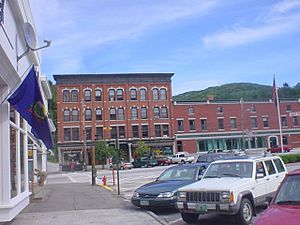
(270, 167)
(260, 168)
(279, 166)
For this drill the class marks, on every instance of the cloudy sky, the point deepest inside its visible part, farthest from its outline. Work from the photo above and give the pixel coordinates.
(204, 42)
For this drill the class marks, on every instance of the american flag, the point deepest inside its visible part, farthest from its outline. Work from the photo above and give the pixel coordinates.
(1, 11)
(274, 92)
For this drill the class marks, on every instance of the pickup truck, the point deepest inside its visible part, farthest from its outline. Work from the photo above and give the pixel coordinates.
(232, 187)
(182, 157)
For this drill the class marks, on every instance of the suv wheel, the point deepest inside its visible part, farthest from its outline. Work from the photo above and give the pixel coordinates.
(245, 213)
(190, 217)
(182, 161)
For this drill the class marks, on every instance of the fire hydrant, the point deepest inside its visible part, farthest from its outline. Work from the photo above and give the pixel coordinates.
(104, 180)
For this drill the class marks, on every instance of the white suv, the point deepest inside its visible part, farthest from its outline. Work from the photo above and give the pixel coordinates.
(232, 187)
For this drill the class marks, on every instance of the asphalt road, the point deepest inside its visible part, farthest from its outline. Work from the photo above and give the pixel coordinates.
(131, 179)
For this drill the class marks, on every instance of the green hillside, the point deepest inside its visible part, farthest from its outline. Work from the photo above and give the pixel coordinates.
(248, 91)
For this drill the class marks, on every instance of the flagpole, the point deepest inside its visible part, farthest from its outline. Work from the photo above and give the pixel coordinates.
(279, 119)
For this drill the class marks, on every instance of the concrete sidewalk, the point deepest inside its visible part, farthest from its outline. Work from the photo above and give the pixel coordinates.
(81, 204)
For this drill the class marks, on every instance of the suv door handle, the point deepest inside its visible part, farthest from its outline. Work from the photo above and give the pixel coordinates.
(277, 176)
(268, 179)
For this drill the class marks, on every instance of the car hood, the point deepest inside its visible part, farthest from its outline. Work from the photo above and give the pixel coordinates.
(217, 184)
(280, 214)
(157, 187)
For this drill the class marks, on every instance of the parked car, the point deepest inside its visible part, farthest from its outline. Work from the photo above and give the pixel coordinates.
(163, 161)
(285, 206)
(277, 148)
(144, 162)
(232, 187)
(162, 191)
(182, 157)
(210, 157)
(122, 165)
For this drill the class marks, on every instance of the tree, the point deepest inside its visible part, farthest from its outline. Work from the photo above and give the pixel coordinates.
(103, 152)
(142, 149)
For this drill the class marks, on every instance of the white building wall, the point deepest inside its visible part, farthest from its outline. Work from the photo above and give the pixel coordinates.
(12, 72)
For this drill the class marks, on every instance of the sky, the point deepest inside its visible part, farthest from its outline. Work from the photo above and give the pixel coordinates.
(204, 42)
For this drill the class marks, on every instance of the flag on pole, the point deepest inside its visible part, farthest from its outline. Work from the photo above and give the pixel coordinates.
(1, 11)
(28, 101)
(274, 92)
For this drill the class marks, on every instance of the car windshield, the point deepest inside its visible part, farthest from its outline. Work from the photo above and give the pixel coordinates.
(230, 169)
(178, 173)
(289, 193)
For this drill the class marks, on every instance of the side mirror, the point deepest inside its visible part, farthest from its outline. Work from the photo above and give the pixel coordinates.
(269, 199)
(200, 176)
(260, 175)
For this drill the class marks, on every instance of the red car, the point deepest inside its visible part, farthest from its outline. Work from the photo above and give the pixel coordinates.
(277, 148)
(285, 206)
(161, 161)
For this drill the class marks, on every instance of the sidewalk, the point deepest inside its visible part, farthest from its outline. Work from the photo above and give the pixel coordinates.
(81, 204)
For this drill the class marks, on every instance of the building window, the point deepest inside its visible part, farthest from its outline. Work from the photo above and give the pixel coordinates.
(191, 110)
(163, 94)
(74, 96)
(295, 121)
(111, 94)
(112, 113)
(288, 108)
(220, 123)
(180, 126)
(155, 94)
(75, 115)
(75, 134)
(98, 114)
(156, 112)
(88, 115)
(66, 96)
(133, 94)
(66, 115)
(164, 112)
(143, 113)
(265, 122)
(120, 115)
(157, 130)
(143, 94)
(145, 132)
(88, 131)
(98, 95)
(135, 131)
(253, 108)
(284, 121)
(203, 123)
(134, 113)
(99, 133)
(87, 95)
(220, 109)
(253, 122)
(113, 132)
(67, 134)
(192, 124)
(121, 132)
(233, 123)
(165, 130)
(13, 161)
(120, 96)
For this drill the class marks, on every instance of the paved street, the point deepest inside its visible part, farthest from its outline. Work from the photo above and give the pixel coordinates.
(129, 181)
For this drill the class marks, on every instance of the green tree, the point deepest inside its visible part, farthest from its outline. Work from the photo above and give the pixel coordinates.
(142, 149)
(103, 152)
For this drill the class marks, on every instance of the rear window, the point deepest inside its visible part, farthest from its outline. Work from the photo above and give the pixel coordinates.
(270, 167)
(279, 165)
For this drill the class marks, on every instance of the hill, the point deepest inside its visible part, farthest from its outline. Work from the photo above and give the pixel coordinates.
(248, 91)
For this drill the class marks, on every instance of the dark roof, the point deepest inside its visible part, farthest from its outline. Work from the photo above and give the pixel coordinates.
(136, 77)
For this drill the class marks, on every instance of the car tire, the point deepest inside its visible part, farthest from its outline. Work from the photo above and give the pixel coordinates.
(245, 214)
(182, 162)
(190, 217)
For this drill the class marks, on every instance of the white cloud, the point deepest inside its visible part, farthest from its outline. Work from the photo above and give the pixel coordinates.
(276, 22)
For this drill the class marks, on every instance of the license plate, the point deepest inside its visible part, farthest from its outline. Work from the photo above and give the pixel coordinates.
(144, 203)
(201, 208)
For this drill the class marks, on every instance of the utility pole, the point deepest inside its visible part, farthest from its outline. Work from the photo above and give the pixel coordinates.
(84, 137)
(242, 123)
(117, 158)
(94, 171)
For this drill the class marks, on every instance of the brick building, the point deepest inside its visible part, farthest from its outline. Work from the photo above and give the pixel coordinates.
(208, 125)
(127, 106)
